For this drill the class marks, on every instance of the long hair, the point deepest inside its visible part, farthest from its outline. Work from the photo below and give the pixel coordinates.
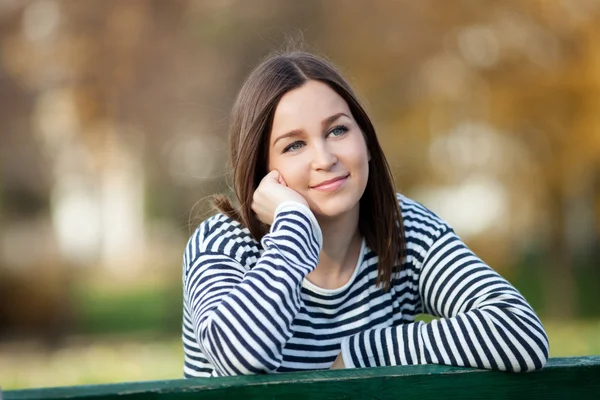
(380, 219)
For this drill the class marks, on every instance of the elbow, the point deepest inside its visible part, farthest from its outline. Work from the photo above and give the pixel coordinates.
(544, 353)
(542, 364)
(531, 366)
(533, 360)
(539, 354)
(530, 347)
(234, 354)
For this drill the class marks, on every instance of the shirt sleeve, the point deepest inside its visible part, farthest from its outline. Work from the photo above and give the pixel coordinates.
(243, 317)
(484, 322)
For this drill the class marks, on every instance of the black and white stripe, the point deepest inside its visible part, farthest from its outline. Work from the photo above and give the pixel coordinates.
(248, 308)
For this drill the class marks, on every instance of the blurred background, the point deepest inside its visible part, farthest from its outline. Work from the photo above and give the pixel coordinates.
(113, 124)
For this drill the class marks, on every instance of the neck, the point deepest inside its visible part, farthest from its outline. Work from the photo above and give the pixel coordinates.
(341, 249)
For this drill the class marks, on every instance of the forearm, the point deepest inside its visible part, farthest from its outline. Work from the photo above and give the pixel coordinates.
(491, 338)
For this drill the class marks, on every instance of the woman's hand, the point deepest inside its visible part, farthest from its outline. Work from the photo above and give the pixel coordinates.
(271, 192)
(338, 363)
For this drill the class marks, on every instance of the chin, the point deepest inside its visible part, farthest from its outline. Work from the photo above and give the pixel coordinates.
(333, 207)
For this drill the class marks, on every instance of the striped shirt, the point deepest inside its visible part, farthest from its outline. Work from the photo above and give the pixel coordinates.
(248, 307)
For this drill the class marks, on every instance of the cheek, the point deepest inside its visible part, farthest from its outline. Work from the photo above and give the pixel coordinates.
(359, 156)
(293, 174)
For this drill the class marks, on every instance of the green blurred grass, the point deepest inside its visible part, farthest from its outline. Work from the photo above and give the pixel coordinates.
(124, 359)
(129, 334)
(84, 361)
(151, 306)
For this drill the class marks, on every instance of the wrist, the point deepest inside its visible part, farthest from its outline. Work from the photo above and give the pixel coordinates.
(297, 206)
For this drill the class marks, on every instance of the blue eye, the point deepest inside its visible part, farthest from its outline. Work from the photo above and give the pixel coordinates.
(338, 130)
(293, 146)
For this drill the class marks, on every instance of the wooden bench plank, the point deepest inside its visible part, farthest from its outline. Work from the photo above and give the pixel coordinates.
(573, 377)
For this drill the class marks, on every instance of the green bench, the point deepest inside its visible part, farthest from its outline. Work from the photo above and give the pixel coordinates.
(562, 378)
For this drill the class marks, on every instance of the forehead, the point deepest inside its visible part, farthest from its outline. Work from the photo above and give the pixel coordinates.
(304, 106)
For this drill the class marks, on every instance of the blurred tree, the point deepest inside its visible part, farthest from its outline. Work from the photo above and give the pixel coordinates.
(113, 118)
(122, 104)
(529, 69)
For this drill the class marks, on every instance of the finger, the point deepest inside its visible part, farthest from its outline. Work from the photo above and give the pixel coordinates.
(272, 176)
(282, 180)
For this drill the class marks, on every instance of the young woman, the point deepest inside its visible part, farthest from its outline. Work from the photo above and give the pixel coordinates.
(323, 265)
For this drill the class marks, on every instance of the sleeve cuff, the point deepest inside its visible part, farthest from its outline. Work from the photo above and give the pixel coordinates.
(294, 205)
(346, 356)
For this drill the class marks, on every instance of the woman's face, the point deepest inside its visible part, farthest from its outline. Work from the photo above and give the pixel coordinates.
(319, 149)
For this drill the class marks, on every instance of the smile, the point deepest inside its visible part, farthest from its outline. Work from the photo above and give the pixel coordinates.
(331, 185)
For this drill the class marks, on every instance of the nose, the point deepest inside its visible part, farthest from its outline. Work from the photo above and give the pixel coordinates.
(323, 157)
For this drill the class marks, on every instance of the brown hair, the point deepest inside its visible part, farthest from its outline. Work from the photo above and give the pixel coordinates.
(380, 220)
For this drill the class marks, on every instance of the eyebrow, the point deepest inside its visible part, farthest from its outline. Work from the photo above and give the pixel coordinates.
(327, 121)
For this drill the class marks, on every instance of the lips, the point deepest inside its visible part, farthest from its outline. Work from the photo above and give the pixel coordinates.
(331, 183)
